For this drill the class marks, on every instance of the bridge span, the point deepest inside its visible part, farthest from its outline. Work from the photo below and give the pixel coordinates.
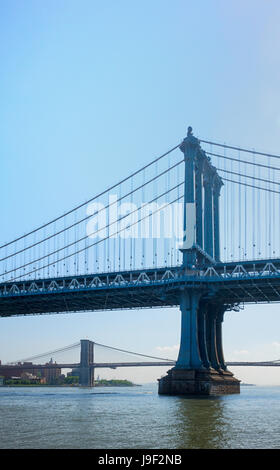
(86, 367)
(195, 228)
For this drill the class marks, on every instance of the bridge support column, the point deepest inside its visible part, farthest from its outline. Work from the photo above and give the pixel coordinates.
(86, 371)
(220, 353)
(211, 338)
(189, 353)
(200, 368)
(202, 336)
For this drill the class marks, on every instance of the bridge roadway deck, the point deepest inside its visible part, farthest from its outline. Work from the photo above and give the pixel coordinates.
(115, 365)
(96, 365)
(254, 281)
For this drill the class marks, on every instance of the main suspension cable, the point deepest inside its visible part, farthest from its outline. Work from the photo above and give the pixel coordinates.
(252, 186)
(247, 176)
(240, 149)
(134, 353)
(243, 161)
(93, 233)
(89, 216)
(90, 200)
(66, 348)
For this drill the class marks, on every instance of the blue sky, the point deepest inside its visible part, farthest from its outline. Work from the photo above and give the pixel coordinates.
(90, 91)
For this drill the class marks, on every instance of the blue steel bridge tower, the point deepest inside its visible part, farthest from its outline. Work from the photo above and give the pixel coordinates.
(200, 367)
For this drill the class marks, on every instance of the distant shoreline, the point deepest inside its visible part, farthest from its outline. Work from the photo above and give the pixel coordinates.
(101, 383)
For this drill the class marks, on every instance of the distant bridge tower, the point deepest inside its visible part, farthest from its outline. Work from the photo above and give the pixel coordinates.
(200, 367)
(86, 371)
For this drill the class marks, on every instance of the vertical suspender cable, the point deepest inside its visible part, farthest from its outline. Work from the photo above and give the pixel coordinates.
(131, 229)
(225, 214)
(245, 233)
(239, 202)
(143, 235)
(119, 237)
(269, 209)
(107, 241)
(254, 210)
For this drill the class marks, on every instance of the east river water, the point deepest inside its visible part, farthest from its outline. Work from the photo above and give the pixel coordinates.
(136, 417)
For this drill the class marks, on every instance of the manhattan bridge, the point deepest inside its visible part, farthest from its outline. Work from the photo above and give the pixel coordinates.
(198, 227)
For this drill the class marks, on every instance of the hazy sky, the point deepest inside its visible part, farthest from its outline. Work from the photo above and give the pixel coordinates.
(89, 92)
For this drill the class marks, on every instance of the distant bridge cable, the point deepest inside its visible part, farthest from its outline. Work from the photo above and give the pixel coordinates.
(66, 348)
(134, 353)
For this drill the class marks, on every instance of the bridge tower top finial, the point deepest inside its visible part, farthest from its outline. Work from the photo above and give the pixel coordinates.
(189, 140)
(189, 133)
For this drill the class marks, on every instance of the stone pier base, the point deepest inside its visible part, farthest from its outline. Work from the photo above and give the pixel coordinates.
(198, 382)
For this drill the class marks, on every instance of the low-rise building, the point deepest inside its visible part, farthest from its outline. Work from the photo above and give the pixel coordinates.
(25, 369)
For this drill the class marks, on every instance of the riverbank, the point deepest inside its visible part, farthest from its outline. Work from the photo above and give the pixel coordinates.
(115, 383)
(99, 383)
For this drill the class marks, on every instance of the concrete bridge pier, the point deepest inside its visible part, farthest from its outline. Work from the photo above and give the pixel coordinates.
(200, 368)
(86, 372)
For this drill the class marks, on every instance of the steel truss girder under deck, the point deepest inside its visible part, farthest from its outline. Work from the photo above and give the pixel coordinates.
(243, 282)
